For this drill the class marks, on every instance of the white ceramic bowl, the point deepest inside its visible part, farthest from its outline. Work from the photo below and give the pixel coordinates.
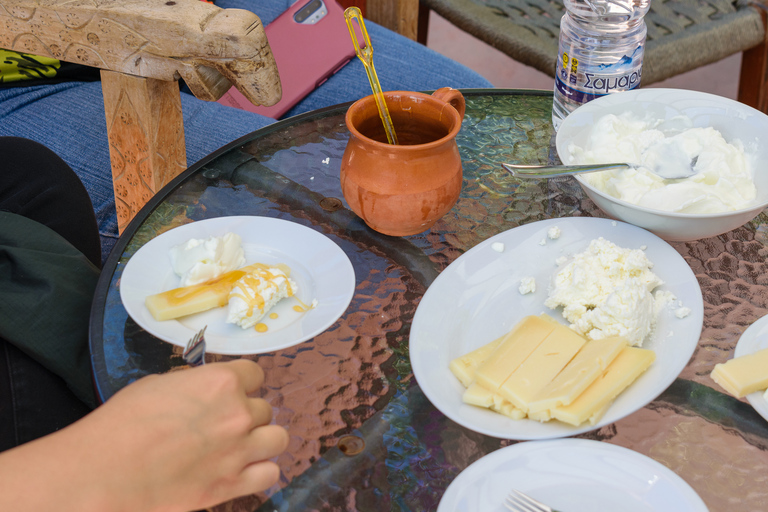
(731, 118)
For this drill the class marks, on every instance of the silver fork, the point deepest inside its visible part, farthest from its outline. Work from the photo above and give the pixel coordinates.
(519, 502)
(194, 353)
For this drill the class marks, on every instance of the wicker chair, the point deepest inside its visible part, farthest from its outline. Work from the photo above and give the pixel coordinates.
(682, 35)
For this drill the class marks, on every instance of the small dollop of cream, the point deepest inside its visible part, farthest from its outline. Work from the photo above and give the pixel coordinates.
(201, 259)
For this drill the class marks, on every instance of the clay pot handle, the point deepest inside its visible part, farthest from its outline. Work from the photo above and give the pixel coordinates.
(453, 97)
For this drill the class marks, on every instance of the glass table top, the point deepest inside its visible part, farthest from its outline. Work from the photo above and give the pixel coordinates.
(363, 434)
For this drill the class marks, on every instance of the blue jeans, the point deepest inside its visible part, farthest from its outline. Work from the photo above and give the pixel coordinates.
(69, 117)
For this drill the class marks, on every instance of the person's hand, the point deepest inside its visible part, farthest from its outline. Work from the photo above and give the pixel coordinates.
(189, 439)
(176, 442)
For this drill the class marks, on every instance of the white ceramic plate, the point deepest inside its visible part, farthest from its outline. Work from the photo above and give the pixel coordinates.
(753, 339)
(476, 299)
(572, 475)
(320, 268)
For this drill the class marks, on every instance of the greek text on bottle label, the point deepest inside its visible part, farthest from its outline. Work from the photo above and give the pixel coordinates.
(586, 86)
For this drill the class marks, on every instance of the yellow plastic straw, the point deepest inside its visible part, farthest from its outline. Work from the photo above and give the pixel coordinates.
(366, 55)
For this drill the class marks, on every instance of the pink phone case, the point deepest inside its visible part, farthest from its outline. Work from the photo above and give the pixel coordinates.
(306, 55)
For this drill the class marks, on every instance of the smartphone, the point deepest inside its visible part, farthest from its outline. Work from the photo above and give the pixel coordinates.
(310, 42)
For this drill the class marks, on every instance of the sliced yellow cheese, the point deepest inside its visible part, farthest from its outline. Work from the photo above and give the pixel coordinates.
(595, 416)
(504, 407)
(477, 395)
(481, 397)
(628, 365)
(590, 362)
(464, 367)
(514, 348)
(544, 363)
(188, 300)
(744, 374)
(541, 416)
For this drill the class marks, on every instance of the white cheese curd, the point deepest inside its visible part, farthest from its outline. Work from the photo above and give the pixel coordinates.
(723, 180)
(527, 285)
(606, 291)
(201, 259)
(256, 293)
(497, 246)
(554, 233)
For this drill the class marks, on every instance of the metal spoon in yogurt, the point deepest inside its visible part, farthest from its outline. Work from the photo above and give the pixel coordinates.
(669, 162)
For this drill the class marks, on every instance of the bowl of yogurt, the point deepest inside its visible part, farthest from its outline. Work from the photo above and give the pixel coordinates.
(723, 142)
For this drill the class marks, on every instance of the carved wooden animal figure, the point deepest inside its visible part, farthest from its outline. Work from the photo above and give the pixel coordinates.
(143, 47)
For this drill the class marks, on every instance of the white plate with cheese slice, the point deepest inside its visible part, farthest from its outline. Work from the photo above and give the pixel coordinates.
(755, 338)
(319, 266)
(477, 299)
(573, 475)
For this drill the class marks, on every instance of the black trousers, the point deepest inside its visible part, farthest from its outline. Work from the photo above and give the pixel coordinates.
(37, 184)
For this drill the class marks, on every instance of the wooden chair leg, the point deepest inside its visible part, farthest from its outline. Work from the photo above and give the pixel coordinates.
(146, 138)
(753, 80)
(423, 24)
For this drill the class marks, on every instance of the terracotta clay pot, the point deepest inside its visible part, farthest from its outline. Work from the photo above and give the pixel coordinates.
(404, 189)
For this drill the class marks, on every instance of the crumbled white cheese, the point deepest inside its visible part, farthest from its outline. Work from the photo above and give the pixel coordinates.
(606, 291)
(497, 246)
(201, 259)
(559, 261)
(527, 285)
(667, 299)
(554, 233)
(543, 241)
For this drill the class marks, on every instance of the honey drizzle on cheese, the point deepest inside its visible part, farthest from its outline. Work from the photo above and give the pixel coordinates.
(219, 284)
(301, 307)
(246, 288)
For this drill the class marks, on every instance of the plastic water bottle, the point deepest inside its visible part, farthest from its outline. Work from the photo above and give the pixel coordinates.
(601, 51)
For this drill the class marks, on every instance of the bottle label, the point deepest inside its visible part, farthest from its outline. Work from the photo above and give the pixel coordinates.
(581, 83)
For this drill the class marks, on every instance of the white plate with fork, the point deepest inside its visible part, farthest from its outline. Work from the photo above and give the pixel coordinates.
(571, 475)
(318, 265)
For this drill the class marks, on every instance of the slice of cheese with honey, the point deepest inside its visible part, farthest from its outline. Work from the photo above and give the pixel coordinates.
(211, 294)
(514, 348)
(464, 367)
(588, 364)
(592, 403)
(539, 369)
(743, 375)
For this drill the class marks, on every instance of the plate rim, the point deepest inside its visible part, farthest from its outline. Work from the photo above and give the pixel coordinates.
(559, 430)
(749, 343)
(490, 461)
(347, 286)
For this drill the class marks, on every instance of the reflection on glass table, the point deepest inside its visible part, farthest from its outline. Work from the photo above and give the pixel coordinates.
(364, 436)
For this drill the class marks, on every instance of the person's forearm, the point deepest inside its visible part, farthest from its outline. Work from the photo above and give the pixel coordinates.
(172, 443)
(50, 474)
